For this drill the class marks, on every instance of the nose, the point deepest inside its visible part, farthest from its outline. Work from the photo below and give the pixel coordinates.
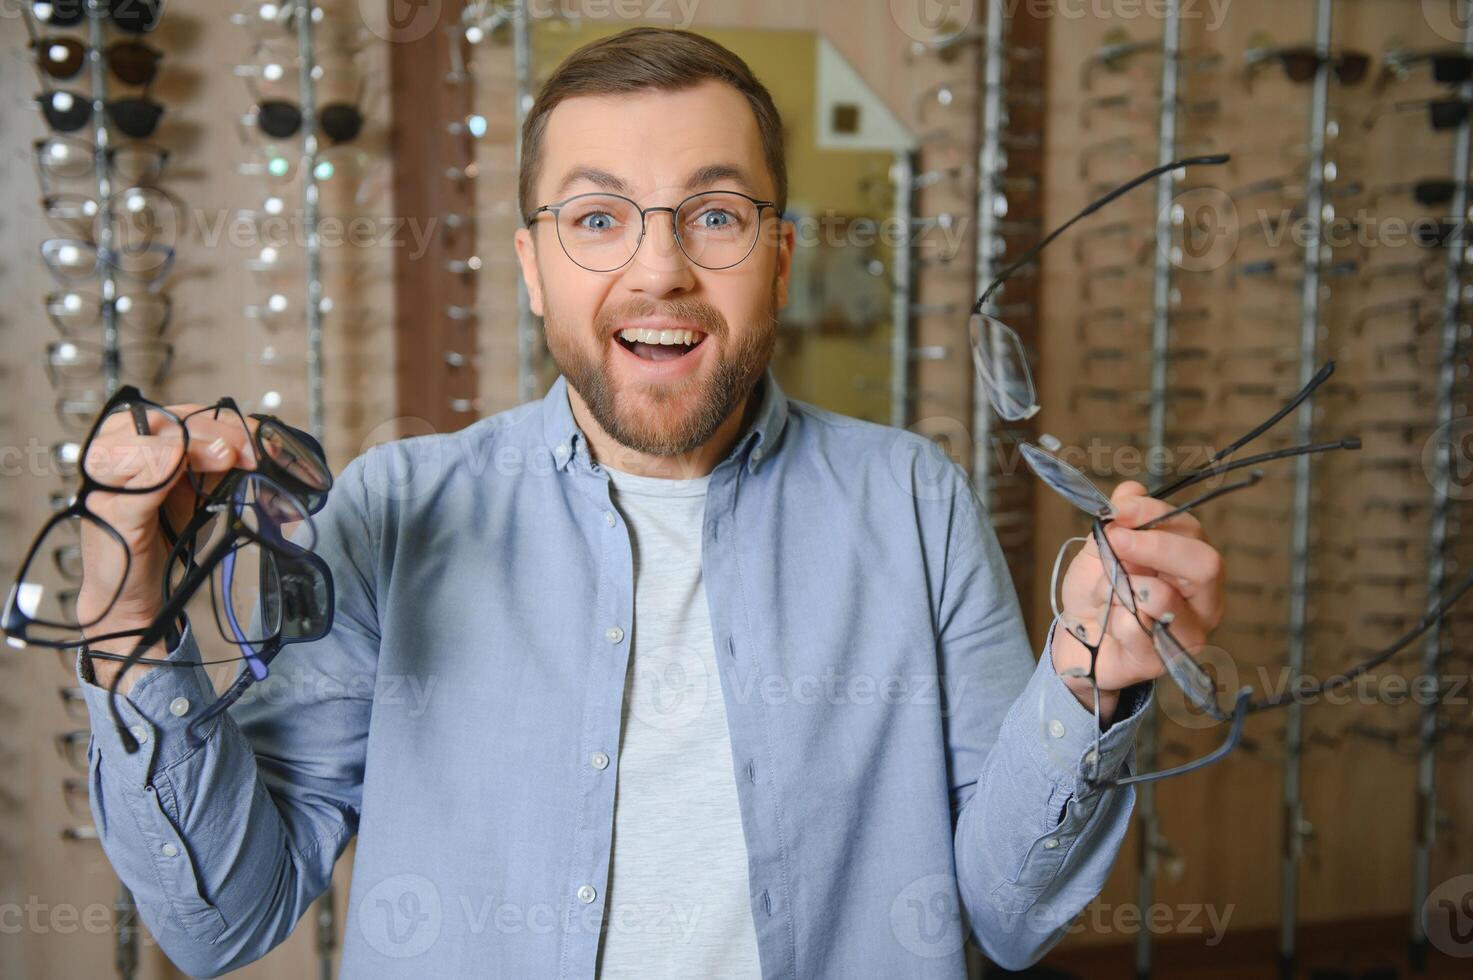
(659, 265)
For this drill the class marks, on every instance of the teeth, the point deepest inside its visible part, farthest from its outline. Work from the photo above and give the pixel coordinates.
(636, 334)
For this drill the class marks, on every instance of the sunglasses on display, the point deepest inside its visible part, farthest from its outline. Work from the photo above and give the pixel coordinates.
(62, 58)
(67, 112)
(129, 16)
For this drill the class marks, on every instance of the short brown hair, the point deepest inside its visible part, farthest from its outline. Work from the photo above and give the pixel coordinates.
(644, 58)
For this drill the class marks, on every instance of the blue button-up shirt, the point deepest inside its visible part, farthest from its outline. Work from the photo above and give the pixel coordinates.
(906, 772)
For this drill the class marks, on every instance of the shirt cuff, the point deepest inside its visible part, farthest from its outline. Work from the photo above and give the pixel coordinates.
(157, 710)
(1064, 737)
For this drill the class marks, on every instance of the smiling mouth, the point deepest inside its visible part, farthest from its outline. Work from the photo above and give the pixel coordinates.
(657, 351)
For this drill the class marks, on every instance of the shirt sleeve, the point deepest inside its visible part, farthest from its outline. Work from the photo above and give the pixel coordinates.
(1033, 842)
(227, 842)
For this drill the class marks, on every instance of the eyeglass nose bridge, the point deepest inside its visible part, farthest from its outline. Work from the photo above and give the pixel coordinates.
(644, 225)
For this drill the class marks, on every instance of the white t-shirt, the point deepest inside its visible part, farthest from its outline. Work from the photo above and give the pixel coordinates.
(678, 899)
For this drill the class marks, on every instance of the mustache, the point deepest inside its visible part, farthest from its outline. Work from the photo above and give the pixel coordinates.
(703, 314)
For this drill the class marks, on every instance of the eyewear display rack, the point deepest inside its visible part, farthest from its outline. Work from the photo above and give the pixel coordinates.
(1437, 535)
(326, 936)
(125, 910)
(1151, 840)
(1004, 41)
(990, 169)
(1295, 828)
(902, 289)
(528, 334)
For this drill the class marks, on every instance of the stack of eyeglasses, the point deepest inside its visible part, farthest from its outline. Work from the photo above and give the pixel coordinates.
(247, 546)
(1195, 685)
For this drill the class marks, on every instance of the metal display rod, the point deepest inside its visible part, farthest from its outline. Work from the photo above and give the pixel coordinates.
(1151, 840)
(1426, 812)
(989, 184)
(125, 910)
(1295, 828)
(526, 327)
(326, 904)
(902, 288)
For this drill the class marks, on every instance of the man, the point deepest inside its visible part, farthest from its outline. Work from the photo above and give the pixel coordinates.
(664, 675)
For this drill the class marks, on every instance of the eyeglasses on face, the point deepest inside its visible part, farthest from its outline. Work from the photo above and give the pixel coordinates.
(601, 232)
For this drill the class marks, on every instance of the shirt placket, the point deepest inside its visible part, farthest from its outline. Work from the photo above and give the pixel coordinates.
(607, 651)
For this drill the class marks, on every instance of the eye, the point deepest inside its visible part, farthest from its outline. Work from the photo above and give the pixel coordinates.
(596, 221)
(715, 218)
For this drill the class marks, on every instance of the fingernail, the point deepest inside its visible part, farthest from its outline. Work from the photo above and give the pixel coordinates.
(220, 448)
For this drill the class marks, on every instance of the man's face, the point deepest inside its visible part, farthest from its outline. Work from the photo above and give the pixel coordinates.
(651, 147)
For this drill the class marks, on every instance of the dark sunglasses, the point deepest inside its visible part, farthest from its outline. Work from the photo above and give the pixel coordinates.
(1301, 62)
(340, 122)
(67, 112)
(133, 62)
(131, 16)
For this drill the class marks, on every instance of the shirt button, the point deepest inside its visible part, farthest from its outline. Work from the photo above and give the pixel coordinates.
(586, 894)
(599, 760)
(613, 634)
(1091, 757)
(1051, 843)
(140, 734)
(756, 454)
(179, 707)
(562, 450)
(609, 518)
(169, 850)
(1056, 728)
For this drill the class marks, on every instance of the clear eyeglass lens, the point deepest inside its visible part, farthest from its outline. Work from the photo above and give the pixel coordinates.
(601, 232)
(1067, 481)
(1002, 367)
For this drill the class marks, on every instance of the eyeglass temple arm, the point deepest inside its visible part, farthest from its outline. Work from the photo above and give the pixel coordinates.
(1254, 477)
(1350, 442)
(1320, 377)
(1235, 737)
(191, 583)
(1028, 256)
(1431, 618)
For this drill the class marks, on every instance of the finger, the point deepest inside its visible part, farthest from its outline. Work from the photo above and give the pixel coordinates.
(1193, 567)
(1137, 510)
(1156, 598)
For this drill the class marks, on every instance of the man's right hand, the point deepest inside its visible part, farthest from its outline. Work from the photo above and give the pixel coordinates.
(120, 456)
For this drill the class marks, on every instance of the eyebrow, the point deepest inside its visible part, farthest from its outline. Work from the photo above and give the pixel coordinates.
(700, 177)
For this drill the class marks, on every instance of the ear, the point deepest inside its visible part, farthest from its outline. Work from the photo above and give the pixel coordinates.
(527, 257)
(787, 237)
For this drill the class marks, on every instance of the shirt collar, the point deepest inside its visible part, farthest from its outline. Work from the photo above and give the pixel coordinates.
(562, 435)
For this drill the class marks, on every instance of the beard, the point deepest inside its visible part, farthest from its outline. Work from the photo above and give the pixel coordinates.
(687, 412)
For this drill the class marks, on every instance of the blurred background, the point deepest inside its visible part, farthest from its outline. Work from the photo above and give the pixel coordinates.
(929, 142)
